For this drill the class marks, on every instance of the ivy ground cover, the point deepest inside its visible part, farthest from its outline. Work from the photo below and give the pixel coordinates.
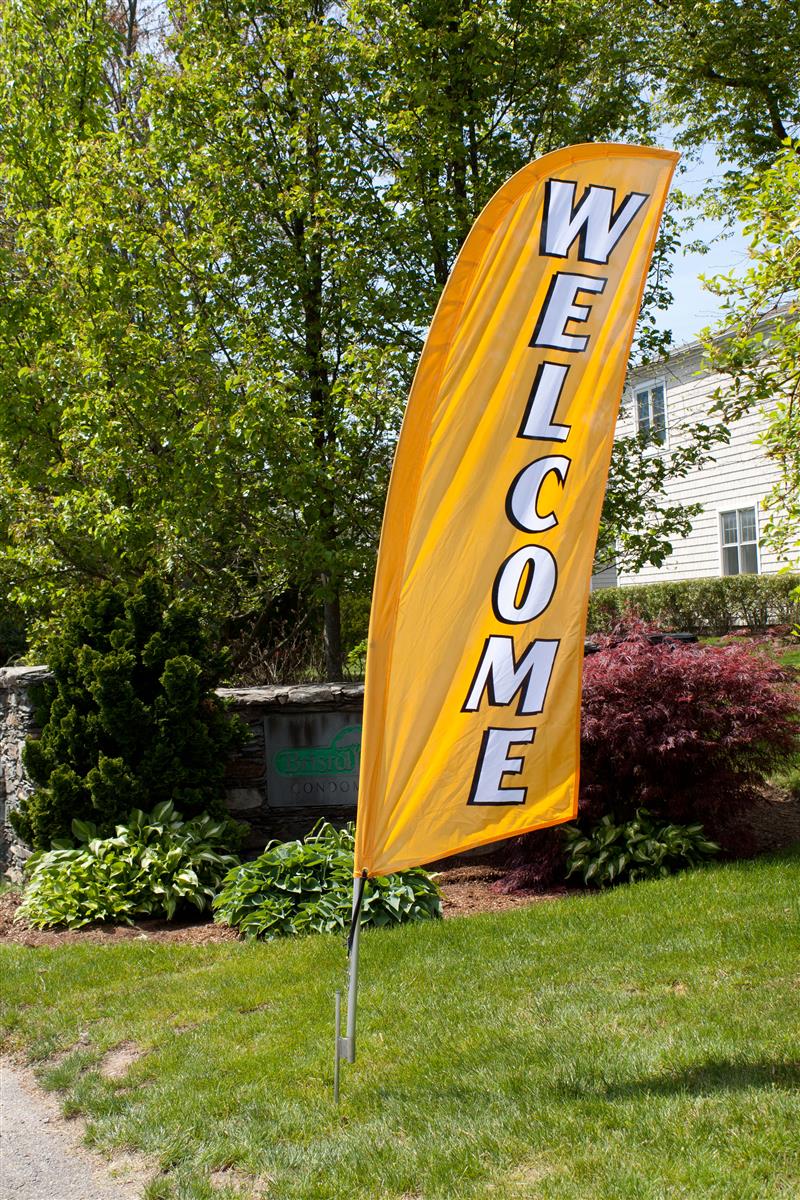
(631, 1045)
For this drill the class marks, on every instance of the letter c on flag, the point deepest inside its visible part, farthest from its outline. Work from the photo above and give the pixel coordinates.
(523, 495)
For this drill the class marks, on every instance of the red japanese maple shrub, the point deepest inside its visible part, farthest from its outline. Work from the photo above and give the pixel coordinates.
(688, 732)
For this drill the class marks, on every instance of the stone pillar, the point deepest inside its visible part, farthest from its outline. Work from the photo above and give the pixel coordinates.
(17, 722)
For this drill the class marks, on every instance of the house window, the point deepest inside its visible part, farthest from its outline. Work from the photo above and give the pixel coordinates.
(651, 411)
(739, 542)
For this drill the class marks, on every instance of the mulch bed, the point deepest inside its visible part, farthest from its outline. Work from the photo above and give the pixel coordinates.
(198, 932)
(773, 823)
(469, 886)
(468, 889)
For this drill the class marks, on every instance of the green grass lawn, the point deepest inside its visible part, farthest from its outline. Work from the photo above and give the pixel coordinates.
(642, 1043)
(790, 657)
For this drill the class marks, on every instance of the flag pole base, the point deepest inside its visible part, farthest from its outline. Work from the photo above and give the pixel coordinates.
(337, 1045)
(345, 1047)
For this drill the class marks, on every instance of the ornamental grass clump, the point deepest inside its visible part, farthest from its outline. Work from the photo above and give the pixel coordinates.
(153, 866)
(307, 887)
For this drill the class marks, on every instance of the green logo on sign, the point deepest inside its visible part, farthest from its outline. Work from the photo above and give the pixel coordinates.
(340, 758)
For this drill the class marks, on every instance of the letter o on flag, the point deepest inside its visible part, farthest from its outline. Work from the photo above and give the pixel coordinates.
(524, 585)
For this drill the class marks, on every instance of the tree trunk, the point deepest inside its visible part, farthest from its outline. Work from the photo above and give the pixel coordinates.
(333, 640)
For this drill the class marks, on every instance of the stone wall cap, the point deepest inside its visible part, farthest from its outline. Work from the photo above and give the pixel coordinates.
(13, 676)
(295, 693)
(286, 693)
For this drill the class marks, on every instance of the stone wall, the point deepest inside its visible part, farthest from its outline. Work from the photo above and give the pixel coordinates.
(300, 763)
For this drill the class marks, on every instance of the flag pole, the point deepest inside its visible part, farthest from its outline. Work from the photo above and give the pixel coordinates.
(346, 1046)
(337, 1030)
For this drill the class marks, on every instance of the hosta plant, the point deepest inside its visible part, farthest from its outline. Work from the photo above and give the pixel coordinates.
(151, 867)
(642, 848)
(307, 887)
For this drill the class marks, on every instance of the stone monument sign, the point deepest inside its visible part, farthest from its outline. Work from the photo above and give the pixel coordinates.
(312, 758)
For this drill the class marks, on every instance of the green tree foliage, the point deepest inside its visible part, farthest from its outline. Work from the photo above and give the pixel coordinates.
(757, 344)
(119, 441)
(729, 73)
(262, 122)
(220, 250)
(731, 76)
(463, 96)
(131, 719)
(202, 361)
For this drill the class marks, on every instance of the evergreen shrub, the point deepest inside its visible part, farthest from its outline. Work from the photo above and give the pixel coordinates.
(130, 719)
(704, 606)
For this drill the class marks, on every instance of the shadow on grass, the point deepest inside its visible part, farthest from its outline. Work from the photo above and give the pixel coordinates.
(710, 1077)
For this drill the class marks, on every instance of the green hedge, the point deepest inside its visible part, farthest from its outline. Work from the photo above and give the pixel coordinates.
(705, 606)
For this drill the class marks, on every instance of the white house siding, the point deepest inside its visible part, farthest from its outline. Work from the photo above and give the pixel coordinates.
(605, 578)
(740, 475)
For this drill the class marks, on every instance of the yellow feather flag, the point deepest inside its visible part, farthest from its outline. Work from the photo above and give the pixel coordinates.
(472, 704)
